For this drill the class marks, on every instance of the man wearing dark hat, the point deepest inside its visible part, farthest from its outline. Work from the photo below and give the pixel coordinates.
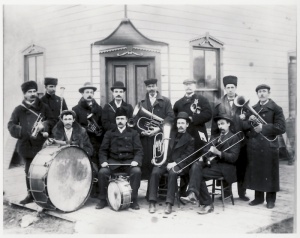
(222, 166)
(160, 106)
(181, 145)
(262, 171)
(68, 132)
(30, 123)
(109, 110)
(226, 106)
(55, 103)
(122, 147)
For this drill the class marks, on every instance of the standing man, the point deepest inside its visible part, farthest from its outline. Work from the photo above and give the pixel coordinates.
(181, 145)
(120, 145)
(109, 110)
(227, 107)
(55, 103)
(30, 123)
(222, 166)
(161, 107)
(262, 172)
(68, 132)
(199, 111)
(88, 115)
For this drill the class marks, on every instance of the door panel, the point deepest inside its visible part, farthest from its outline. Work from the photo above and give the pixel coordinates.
(132, 72)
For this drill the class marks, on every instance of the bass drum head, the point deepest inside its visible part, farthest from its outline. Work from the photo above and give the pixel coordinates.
(69, 179)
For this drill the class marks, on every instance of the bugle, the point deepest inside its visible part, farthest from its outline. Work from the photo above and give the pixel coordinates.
(161, 146)
(209, 143)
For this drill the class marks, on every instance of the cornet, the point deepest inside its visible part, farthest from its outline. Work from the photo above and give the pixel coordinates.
(34, 130)
(93, 125)
(161, 146)
(195, 108)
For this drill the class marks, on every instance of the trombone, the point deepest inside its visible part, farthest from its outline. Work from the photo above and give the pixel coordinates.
(211, 142)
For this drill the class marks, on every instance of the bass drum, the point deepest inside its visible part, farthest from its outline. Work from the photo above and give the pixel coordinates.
(61, 178)
(119, 194)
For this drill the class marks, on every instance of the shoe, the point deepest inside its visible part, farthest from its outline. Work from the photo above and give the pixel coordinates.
(191, 198)
(28, 199)
(134, 205)
(244, 198)
(255, 202)
(168, 208)
(270, 205)
(152, 207)
(206, 209)
(101, 204)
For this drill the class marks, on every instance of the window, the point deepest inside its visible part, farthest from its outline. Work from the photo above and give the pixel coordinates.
(34, 66)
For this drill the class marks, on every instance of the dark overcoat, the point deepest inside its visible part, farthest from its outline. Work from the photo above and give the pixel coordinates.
(109, 112)
(121, 148)
(226, 162)
(21, 123)
(162, 107)
(199, 120)
(54, 103)
(79, 136)
(262, 172)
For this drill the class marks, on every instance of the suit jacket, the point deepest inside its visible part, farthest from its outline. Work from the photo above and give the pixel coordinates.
(121, 148)
(79, 136)
(21, 123)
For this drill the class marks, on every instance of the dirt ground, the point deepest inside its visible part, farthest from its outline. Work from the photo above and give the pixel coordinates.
(12, 216)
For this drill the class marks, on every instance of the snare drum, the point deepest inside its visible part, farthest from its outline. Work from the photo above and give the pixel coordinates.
(61, 178)
(119, 194)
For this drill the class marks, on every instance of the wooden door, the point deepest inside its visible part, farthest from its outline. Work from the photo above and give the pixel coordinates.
(132, 72)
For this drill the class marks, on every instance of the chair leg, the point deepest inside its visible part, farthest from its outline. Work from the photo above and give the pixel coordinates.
(178, 192)
(231, 195)
(213, 191)
(222, 194)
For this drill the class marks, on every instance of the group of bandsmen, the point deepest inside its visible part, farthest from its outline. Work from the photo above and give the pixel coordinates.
(115, 146)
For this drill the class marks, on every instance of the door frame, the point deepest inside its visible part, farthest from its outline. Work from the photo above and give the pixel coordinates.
(134, 52)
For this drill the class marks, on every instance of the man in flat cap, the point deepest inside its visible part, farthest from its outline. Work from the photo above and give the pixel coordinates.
(88, 115)
(55, 103)
(226, 106)
(122, 147)
(109, 109)
(262, 171)
(181, 145)
(30, 123)
(160, 106)
(222, 166)
(199, 111)
(68, 132)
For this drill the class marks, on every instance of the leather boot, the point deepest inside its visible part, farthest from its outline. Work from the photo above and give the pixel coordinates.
(168, 208)
(28, 199)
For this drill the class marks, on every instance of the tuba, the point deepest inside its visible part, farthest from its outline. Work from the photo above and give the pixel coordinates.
(160, 147)
(93, 126)
(147, 119)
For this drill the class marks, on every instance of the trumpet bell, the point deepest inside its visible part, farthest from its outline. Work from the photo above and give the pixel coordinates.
(240, 101)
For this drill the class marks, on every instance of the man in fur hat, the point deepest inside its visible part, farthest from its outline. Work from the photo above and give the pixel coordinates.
(55, 103)
(28, 129)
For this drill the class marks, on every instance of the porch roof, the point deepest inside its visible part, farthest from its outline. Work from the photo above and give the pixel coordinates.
(127, 34)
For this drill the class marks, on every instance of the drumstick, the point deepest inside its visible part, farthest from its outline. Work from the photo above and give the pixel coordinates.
(120, 164)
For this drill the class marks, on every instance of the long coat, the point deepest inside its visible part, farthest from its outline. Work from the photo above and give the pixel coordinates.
(21, 123)
(82, 110)
(121, 148)
(109, 112)
(79, 136)
(199, 120)
(262, 172)
(162, 107)
(54, 103)
(226, 162)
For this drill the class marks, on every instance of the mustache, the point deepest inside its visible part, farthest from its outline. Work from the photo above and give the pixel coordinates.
(89, 97)
(180, 127)
(120, 123)
(33, 96)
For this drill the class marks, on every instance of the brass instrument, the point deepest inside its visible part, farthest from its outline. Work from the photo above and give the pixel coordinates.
(195, 108)
(34, 130)
(240, 101)
(209, 143)
(61, 98)
(161, 146)
(93, 126)
(148, 119)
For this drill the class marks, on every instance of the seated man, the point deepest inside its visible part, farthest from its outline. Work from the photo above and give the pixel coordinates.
(120, 145)
(68, 132)
(181, 145)
(222, 166)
